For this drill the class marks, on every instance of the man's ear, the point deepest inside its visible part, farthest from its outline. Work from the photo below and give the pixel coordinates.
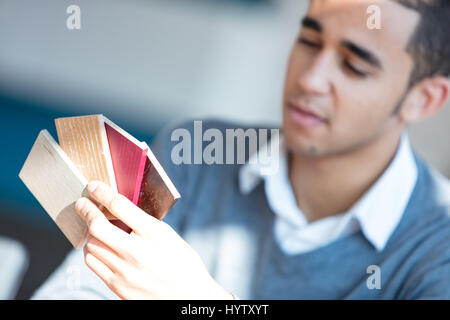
(425, 99)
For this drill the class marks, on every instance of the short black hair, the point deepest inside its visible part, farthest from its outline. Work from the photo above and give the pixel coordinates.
(429, 46)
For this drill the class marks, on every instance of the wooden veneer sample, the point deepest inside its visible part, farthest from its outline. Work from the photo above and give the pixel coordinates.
(128, 158)
(85, 141)
(158, 193)
(57, 184)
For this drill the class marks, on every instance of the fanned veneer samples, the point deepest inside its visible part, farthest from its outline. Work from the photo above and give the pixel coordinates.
(94, 148)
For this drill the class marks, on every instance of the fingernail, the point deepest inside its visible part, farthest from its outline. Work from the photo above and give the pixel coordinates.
(92, 186)
(80, 204)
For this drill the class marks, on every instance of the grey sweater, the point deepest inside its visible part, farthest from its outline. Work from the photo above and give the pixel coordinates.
(233, 233)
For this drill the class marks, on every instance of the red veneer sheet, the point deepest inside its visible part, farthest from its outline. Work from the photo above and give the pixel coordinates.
(129, 160)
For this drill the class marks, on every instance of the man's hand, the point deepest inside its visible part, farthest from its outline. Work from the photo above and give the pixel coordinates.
(151, 262)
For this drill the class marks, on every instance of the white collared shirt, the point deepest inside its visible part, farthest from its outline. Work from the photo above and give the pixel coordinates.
(376, 214)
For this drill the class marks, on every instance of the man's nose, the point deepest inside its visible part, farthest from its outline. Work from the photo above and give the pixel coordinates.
(316, 78)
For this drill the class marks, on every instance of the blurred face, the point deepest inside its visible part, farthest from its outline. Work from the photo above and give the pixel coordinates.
(344, 80)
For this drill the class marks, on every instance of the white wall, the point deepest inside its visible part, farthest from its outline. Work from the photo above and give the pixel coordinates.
(150, 58)
(432, 139)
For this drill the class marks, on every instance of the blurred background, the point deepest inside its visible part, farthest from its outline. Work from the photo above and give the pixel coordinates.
(142, 63)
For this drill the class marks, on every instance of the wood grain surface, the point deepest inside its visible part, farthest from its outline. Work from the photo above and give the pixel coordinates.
(85, 142)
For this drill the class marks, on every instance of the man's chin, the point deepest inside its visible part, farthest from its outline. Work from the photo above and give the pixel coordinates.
(303, 146)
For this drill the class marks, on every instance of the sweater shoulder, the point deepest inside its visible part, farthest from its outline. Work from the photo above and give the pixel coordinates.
(426, 221)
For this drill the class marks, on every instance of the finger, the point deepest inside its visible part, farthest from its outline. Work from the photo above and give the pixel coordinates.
(104, 273)
(113, 280)
(100, 228)
(122, 208)
(99, 268)
(106, 255)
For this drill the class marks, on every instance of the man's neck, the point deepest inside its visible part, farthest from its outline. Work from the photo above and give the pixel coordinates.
(332, 185)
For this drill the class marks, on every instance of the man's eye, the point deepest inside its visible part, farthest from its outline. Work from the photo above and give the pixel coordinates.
(309, 43)
(354, 70)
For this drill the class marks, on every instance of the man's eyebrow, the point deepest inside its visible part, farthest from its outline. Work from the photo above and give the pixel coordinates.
(364, 54)
(311, 23)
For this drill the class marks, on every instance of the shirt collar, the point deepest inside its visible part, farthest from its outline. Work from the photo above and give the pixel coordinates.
(378, 212)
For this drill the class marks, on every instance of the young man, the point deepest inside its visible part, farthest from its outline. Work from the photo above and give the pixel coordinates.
(352, 212)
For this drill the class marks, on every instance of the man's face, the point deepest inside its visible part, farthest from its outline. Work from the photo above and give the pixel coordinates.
(345, 80)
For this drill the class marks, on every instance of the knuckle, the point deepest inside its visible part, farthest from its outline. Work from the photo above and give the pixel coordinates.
(165, 226)
(166, 230)
(88, 259)
(130, 277)
(133, 256)
(113, 283)
(95, 226)
(116, 202)
(90, 219)
(90, 246)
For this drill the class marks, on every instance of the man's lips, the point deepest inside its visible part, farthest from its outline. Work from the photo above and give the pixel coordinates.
(304, 116)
